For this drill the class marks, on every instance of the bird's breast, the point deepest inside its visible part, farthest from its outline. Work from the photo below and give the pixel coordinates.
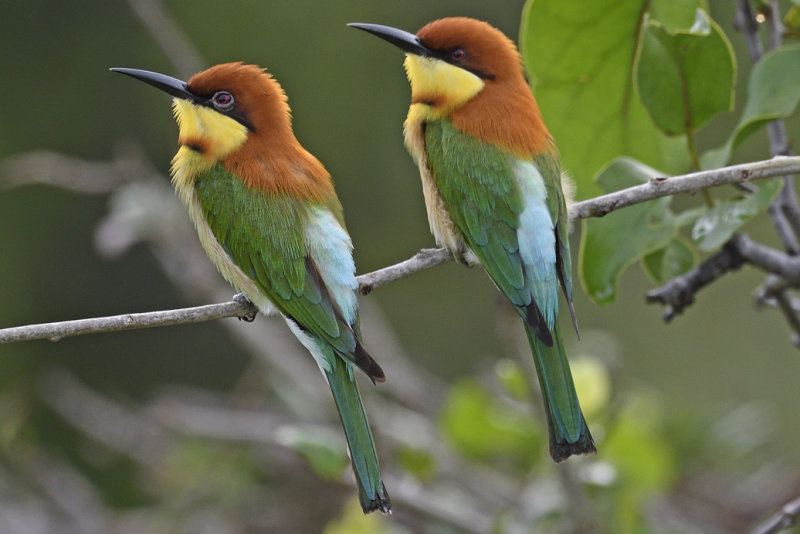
(444, 230)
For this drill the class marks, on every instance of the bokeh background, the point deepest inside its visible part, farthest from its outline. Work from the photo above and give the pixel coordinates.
(64, 254)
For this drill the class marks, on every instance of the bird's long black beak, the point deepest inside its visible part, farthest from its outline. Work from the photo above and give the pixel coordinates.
(407, 42)
(168, 84)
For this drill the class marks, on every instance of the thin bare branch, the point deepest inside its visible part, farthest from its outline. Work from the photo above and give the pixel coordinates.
(422, 260)
(784, 211)
(769, 259)
(782, 520)
(746, 23)
(775, 292)
(427, 258)
(687, 183)
(168, 35)
(131, 321)
(678, 293)
(76, 174)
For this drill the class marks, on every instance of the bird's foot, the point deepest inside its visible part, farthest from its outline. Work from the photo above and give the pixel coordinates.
(250, 315)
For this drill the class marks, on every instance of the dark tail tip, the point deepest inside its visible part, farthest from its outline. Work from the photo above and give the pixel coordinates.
(367, 363)
(561, 449)
(381, 502)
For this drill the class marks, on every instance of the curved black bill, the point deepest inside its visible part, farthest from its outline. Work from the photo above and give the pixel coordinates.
(407, 42)
(168, 84)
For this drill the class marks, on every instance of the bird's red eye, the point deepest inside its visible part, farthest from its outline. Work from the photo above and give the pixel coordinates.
(222, 100)
(458, 54)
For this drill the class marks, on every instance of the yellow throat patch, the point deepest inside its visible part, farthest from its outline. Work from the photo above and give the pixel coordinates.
(439, 86)
(205, 137)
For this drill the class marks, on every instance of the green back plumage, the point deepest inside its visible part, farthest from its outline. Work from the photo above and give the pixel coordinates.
(496, 200)
(263, 235)
(478, 186)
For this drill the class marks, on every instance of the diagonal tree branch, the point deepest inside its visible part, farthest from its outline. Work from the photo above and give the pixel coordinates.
(782, 520)
(784, 211)
(238, 307)
(687, 183)
(678, 293)
(769, 259)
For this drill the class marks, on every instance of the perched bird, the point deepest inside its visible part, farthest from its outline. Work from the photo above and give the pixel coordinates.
(491, 178)
(269, 219)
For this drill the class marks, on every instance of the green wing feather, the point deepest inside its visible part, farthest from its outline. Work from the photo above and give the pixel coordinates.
(476, 183)
(479, 187)
(263, 234)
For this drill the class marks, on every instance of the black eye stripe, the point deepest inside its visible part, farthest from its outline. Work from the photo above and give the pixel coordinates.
(448, 56)
(225, 103)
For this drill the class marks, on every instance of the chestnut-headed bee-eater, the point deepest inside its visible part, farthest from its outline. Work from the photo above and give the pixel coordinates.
(269, 219)
(491, 179)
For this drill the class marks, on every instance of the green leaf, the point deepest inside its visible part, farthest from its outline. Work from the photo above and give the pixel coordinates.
(320, 447)
(686, 77)
(353, 521)
(669, 262)
(676, 15)
(223, 472)
(716, 226)
(580, 56)
(513, 379)
(418, 462)
(772, 93)
(593, 384)
(610, 244)
(791, 22)
(637, 448)
(483, 429)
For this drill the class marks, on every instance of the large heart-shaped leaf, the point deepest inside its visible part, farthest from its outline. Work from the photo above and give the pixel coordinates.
(580, 57)
(772, 93)
(685, 77)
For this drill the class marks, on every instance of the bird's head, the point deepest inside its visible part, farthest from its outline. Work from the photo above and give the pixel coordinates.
(450, 61)
(218, 109)
(469, 72)
(238, 115)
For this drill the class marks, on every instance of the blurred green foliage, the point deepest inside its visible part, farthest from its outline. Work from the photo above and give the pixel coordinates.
(482, 428)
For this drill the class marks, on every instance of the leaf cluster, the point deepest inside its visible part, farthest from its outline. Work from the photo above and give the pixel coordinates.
(631, 110)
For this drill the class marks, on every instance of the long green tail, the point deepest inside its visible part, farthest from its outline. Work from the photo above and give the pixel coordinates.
(568, 431)
(371, 491)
